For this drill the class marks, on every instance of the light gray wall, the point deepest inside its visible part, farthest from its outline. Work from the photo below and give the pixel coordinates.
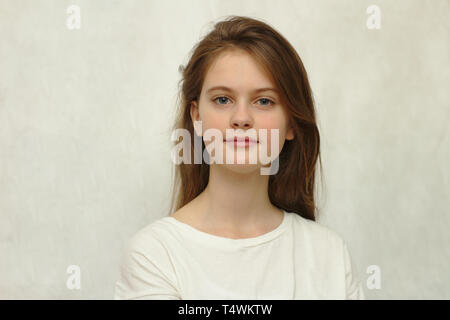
(84, 133)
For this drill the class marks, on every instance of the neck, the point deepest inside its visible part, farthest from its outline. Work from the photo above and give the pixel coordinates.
(234, 200)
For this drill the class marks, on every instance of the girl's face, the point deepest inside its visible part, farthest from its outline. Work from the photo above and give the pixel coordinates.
(242, 106)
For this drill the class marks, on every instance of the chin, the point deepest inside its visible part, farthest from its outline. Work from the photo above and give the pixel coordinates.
(242, 168)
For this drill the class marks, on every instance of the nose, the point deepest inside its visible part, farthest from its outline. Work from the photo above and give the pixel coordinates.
(241, 119)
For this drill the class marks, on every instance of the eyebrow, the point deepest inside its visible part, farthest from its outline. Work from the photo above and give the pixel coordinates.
(231, 90)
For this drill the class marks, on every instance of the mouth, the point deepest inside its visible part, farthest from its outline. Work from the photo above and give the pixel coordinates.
(242, 142)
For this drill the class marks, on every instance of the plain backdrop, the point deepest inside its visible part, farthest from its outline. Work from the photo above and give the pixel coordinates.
(85, 146)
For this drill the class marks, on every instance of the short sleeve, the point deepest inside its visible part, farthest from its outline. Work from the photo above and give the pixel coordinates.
(354, 288)
(146, 272)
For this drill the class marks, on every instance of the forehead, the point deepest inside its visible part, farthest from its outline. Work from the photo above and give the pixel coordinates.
(238, 69)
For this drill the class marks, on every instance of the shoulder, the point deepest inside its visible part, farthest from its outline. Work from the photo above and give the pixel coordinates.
(150, 247)
(153, 236)
(147, 269)
(329, 256)
(325, 248)
(316, 233)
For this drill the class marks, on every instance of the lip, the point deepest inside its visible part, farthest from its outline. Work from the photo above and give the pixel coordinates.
(242, 142)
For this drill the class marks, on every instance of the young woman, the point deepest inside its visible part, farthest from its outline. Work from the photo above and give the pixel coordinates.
(237, 233)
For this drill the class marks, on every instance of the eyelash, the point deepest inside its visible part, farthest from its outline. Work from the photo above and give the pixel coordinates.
(270, 100)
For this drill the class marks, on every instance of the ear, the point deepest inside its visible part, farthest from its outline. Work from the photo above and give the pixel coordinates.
(195, 115)
(290, 134)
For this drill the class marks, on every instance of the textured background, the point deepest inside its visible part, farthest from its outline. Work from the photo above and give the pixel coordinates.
(84, 133)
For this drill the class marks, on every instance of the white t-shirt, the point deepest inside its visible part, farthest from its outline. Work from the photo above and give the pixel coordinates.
(300, 259)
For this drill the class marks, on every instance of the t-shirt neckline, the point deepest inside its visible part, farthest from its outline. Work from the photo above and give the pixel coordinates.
(211, 239)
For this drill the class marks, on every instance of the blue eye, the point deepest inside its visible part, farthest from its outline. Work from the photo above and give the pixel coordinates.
(220, 98)
(265, 99)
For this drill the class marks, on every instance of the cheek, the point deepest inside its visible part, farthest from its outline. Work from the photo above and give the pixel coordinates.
(273, 122)
(212, 120)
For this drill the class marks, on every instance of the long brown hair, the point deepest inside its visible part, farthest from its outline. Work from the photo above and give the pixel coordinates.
(292, 187)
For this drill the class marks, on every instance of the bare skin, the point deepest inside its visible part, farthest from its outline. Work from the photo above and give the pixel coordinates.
(193, 214)
(235, 204)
